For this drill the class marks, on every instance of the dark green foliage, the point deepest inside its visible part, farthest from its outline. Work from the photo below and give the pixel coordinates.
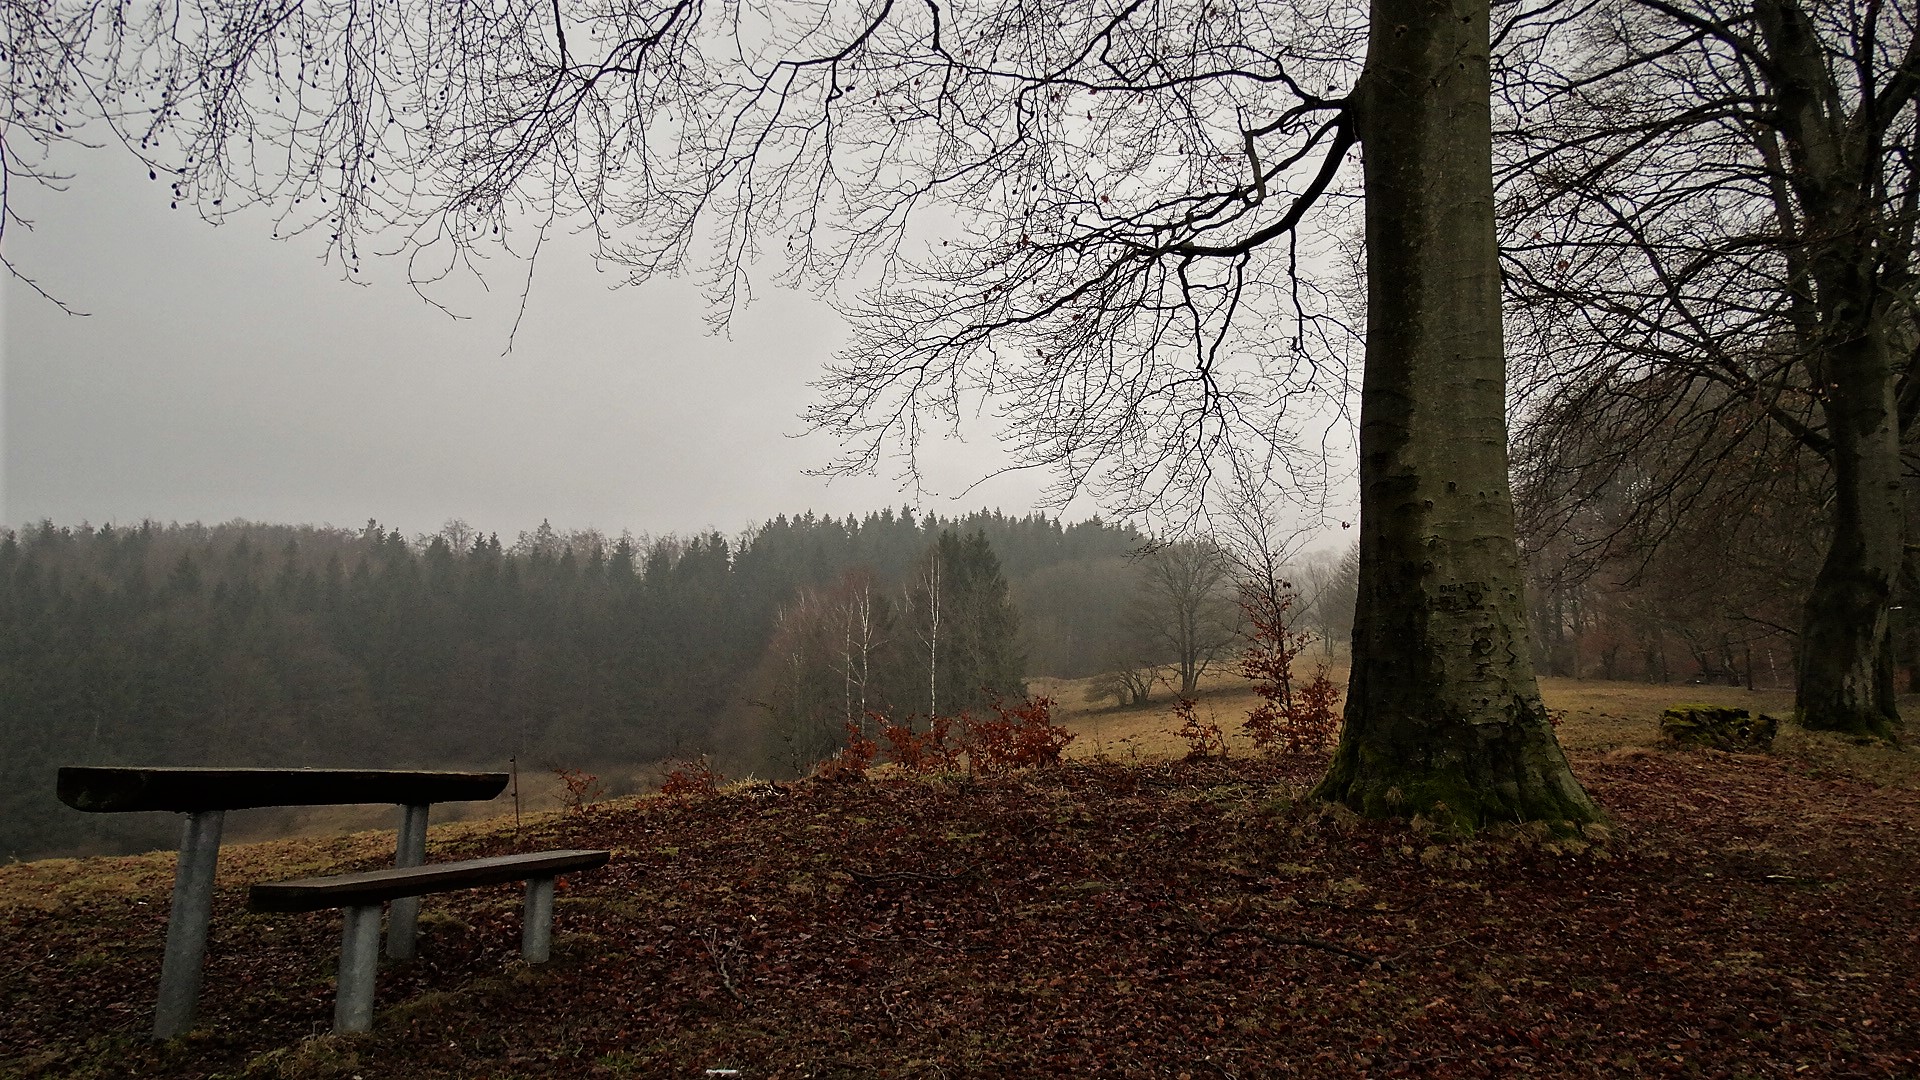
(1074, 615)
(251, 644)
(979, 659)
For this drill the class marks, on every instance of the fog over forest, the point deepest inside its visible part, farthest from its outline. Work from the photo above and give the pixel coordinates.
(259, 644)
(264, 644)
(1385, 537)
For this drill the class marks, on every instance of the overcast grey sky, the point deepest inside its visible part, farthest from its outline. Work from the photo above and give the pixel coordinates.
(222, 374)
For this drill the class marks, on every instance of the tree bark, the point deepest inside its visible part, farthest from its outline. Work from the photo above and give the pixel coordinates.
(1443, 715)
(1846, 642)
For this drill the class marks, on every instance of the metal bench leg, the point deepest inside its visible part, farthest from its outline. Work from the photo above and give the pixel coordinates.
(187, 924)
(359, 961)
(536, 927)
(411, 850)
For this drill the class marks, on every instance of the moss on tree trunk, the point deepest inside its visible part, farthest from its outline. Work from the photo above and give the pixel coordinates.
(1443, 715)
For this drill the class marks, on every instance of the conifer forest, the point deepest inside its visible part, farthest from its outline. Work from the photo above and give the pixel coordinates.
(251, 644)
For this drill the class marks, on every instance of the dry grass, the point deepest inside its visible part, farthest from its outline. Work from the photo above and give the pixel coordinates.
(1597, 717)
(541, 791)
(54, 886)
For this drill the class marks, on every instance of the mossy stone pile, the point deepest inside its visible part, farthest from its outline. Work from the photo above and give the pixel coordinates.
(1718, 727)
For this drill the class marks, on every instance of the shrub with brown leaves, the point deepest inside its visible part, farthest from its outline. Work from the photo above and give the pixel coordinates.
(921, 752)
(1289, 718)
(853, 760)
(1204, 737)
(691, 778)
(581, 786)
(1018, 736)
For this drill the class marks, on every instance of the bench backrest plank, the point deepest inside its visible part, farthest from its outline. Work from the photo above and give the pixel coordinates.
(118, 789)
(375, 886)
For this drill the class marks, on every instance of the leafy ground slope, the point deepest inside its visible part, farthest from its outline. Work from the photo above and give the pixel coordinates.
(1748, 917)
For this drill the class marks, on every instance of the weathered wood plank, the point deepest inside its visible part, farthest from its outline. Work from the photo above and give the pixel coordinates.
(119, 789)
(375, 886)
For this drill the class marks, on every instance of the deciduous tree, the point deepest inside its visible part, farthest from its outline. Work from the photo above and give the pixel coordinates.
(1712, 208)
(1185, 614)
(1110, 200)
(1443, 715)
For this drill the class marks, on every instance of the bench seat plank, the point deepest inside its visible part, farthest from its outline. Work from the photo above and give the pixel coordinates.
(104, 789)
(376, 886)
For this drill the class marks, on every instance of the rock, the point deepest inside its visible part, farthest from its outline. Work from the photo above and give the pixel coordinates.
(1718, 728)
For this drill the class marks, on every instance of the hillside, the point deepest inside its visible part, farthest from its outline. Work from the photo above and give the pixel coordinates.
(283, 645)
(1125, 914)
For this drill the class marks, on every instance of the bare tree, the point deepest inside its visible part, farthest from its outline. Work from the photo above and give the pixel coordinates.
(1254, 541)
(865, 617)
(1724, 580)
(1711, 208)
(1185, 615)
(1258, 550)
(458, 534)
(1129, 683)
(1110, 201)
(824, 663)
(1329, 586)
(798, 703)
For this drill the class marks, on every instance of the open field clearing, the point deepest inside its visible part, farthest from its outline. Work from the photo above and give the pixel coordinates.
(1745, 916)
(1596, 716)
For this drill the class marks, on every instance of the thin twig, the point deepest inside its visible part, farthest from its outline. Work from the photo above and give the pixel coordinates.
(1438, 945)
(711, 939)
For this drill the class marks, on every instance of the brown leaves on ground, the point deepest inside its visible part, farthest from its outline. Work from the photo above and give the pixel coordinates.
(1190, 919)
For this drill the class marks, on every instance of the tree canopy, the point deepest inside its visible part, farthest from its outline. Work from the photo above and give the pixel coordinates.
(1090, 219)
(1067, 213)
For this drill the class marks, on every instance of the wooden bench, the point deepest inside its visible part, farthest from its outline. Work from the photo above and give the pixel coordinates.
(204, 795)
(362, 894)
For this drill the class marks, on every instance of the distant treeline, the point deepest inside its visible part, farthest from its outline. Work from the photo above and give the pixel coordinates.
(259, 644)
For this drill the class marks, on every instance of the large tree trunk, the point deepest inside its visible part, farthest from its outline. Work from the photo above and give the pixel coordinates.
(1443, 716)
(1846, 641)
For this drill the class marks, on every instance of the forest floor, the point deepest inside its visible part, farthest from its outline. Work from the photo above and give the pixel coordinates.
(1128, 914)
